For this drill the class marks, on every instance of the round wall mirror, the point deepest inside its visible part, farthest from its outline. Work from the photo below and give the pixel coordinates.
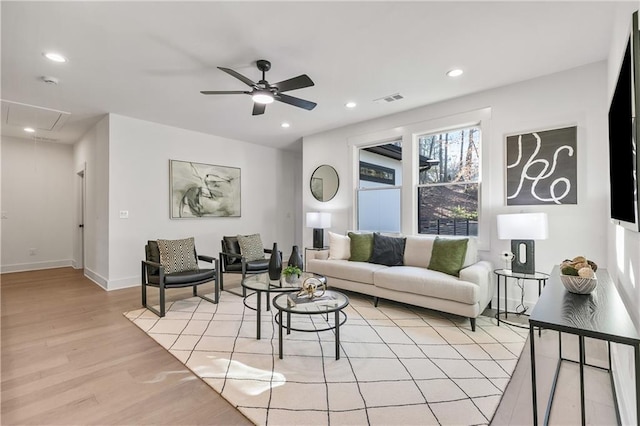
(324, 183)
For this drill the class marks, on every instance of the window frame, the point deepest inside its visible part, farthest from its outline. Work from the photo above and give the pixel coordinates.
(410, 134)
(451, 183)
(358, 189)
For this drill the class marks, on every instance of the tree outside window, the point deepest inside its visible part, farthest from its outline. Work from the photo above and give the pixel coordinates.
(448, 182)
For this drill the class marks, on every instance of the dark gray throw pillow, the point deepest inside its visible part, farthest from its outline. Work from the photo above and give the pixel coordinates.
(387, 251)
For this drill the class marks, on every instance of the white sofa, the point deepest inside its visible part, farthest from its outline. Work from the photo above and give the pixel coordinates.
(413, 283)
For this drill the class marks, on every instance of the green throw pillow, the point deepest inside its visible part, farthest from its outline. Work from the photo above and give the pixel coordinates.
(361, 246)
(448, 255)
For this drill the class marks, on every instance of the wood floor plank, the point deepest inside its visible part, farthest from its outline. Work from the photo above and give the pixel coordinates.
(70, 357)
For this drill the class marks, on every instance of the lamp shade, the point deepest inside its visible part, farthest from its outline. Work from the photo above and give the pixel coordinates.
(318, 220)
(523, 226)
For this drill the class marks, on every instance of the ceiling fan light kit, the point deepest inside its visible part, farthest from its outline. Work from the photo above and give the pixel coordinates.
(262, 97)
(263, 93)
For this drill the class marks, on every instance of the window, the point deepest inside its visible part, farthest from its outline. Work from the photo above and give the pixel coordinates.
(379, 187)
(448, 182)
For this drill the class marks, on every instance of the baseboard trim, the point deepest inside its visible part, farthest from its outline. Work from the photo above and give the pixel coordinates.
(36, 266)
(96, 278)
(124, 283)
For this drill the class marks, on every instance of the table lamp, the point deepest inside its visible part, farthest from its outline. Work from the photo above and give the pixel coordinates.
(318, 221)
(522, 229)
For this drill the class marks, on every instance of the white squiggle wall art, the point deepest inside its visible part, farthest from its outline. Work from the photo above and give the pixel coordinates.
(541, 167)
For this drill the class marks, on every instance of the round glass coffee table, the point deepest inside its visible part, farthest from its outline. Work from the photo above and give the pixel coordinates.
(330, 301)
(260, 283)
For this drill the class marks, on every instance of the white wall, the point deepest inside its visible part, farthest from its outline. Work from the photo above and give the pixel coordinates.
(623, 251)
(37, 205)
(91, 154)
(139, 154)
(575, 97)
(126, 167)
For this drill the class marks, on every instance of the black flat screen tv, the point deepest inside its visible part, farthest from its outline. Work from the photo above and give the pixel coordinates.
(623, 136)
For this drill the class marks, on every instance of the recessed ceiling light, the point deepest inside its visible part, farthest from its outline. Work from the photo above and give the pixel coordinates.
(350, 104)
(29, 130)
(285, 125)
(55, 57)
(455, 72)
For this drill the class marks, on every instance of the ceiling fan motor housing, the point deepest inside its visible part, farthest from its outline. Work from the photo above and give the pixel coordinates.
(263, 65)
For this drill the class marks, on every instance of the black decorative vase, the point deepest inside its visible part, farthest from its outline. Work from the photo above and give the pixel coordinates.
(275, 264)
(295, 259)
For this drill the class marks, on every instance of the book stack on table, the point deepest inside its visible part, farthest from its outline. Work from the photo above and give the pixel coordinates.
(325, 300)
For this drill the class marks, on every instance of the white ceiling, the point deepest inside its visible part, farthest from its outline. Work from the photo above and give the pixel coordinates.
(149, 60)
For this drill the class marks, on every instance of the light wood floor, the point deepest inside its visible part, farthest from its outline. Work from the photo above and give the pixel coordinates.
(69, 357)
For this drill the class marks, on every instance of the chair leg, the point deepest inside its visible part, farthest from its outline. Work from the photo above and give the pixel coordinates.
(144, 285)
(221, 275)
(161, 288)
(218, 284)
(473, 324)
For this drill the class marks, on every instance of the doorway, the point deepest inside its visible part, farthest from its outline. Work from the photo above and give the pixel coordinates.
(80, 215)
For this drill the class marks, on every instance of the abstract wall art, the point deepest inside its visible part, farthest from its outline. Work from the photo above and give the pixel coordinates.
(203, 190)
(541, 167)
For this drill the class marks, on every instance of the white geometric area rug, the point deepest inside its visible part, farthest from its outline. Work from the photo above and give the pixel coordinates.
(399, 364)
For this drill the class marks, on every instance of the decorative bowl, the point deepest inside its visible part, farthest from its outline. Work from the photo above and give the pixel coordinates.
(578, 285)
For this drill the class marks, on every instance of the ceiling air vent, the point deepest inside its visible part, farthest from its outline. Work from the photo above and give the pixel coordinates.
(45, 139)
(389, 98)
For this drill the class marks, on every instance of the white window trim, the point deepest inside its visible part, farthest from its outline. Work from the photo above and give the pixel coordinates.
(409, 135)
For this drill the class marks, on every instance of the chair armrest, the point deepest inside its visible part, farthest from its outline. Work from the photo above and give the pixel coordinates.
(269, 251)
(204, 258)
(227, 254)
(145, 271)
(154, 264)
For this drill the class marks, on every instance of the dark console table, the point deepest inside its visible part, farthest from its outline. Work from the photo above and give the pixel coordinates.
(599, 315)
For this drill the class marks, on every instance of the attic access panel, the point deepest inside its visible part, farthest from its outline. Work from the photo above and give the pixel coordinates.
(40, 118)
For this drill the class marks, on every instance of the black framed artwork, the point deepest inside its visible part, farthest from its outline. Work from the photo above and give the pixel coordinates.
(541, 167)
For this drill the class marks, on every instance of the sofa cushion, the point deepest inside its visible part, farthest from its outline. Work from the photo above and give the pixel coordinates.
(178, 255)
(387, 250)
(251, 247)
(362, 272)
(260, 265)
(426, 282)
(361, 246)
(448, 255)
(339, 246)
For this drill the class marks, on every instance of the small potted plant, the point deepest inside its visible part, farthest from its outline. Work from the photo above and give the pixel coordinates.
(291, 274)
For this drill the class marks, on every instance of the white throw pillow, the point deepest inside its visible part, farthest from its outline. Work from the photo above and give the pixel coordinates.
(339, 246)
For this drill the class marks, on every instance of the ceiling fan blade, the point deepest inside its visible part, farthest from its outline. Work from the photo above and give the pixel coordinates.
(258, 108)
(296, 101)
(223, 92)
(237, 75)
(294, 83)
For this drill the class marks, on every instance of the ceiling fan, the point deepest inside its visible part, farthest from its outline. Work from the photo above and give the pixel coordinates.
(264, 93)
